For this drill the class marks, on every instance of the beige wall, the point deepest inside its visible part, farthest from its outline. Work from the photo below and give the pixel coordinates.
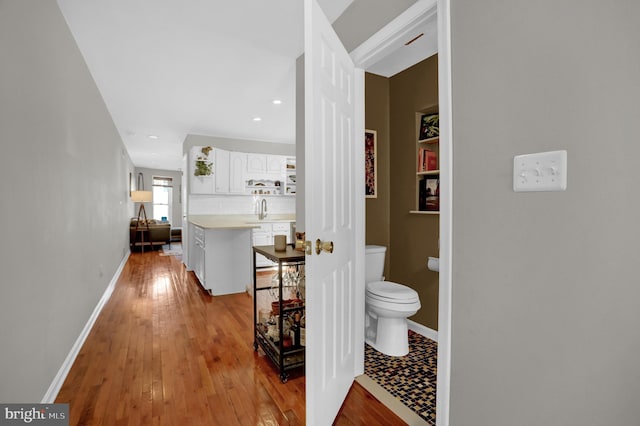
(546, 294)
(390, 109)
(377, 118)
(413, 237)
(64, 179)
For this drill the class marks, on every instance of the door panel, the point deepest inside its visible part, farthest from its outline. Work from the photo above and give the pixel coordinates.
(237, 161)
(221, 172)
(329, 213)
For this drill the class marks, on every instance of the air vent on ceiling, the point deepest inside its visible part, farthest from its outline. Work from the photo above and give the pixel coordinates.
(414, 39)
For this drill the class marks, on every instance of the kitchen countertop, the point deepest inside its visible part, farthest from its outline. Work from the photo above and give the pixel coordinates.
(237, 221)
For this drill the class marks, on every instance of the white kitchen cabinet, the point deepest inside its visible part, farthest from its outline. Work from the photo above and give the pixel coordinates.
(263, 236)
(230, 172)
(219, 258)
(275, 164)
(237, 166)
(282, 228)
(222, 171)
(272, 165)
(256, 163)
(196, 256)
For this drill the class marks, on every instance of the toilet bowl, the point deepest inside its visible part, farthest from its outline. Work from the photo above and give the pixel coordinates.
(387, 306)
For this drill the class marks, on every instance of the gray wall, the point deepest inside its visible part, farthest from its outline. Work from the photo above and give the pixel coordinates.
(64, 177)
(546, 294)
(300, 148)
(363, 18)
(240, 145)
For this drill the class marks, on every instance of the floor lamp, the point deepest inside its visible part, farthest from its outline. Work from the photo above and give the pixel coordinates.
(141, 197)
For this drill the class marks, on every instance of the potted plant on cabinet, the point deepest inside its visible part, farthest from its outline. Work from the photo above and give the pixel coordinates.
(203, 166)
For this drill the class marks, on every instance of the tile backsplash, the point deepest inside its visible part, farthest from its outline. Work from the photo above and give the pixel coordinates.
(239, 204)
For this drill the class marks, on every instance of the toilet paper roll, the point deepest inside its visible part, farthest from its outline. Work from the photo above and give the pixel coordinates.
(280, 242)
(433, 264)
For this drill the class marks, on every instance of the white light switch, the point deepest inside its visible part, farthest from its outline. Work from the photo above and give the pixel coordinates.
(543, 171)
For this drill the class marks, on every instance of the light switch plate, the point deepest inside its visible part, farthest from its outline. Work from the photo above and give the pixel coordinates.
(543, 171)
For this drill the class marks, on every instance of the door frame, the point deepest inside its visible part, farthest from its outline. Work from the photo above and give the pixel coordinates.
(368, 53)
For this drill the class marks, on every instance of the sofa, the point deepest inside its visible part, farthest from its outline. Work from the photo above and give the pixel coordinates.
(156, 235)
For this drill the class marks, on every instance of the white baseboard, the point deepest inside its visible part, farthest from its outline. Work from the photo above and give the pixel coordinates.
(423, 330)
(50, 396)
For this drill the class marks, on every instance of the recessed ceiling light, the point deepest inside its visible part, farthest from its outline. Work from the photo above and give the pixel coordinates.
(153, 137)
(257, 119)
(277, 101)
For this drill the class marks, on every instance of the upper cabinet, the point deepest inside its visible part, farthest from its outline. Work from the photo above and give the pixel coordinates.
(222, 171)
(218, 171)
(237, 167)
(275, 164)
(256, 163)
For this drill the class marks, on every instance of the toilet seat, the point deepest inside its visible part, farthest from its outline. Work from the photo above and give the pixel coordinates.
(390, 292)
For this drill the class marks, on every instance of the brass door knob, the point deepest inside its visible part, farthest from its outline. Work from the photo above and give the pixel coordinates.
(324, 245)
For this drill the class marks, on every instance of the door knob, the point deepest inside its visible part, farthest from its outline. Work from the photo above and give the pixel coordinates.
(324, 245)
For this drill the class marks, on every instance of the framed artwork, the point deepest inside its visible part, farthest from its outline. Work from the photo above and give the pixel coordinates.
(429, 126)
(429, 193)
(371, 163)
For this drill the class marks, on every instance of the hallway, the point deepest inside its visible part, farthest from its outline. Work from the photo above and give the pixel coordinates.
(165, 352)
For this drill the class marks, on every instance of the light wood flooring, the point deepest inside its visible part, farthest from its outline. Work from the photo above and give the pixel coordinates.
(164, 352)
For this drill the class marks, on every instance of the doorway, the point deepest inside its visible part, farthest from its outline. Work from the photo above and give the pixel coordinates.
(379, 46)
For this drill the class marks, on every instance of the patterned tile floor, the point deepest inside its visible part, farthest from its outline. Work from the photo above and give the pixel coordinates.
(410, 378)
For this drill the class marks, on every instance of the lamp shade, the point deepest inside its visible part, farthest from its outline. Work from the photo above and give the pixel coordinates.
(141, 196)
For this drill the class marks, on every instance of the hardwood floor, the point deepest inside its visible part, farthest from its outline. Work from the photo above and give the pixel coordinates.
(164, 352)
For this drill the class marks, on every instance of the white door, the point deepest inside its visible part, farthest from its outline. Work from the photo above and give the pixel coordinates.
(331, 204)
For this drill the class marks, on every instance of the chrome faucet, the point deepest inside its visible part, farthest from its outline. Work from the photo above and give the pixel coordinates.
(262, 213)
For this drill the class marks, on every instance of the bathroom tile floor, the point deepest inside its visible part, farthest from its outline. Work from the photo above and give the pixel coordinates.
(411, 379)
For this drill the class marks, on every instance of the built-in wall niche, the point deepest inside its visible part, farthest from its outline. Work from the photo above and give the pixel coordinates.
(427, 161)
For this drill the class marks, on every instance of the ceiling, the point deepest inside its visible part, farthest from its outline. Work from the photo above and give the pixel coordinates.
(205, 67)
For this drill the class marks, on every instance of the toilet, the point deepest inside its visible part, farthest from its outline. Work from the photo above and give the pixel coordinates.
(387, 307)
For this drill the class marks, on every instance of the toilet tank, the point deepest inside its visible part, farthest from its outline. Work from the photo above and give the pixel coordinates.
(374, 262)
